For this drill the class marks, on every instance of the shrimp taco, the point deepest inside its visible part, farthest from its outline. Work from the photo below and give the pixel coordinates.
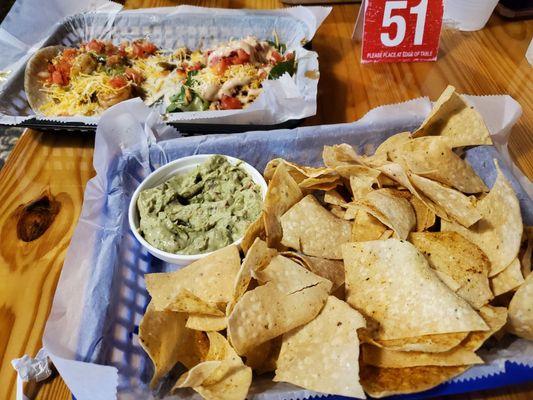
(64, 81)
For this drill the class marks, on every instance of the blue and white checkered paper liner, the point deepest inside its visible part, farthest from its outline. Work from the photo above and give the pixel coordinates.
(91, 332)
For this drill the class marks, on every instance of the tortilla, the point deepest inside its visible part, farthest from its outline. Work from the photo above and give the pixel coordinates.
(452, 118)
(460, 260)
(276, 307)
(521, 310)
(392, 143)
(335, 198)
(226, 379)
(187, 302)
(509, 279)
(283, 192)
(457, 205)
(366, 227)
(362, 184)
(206, 323)
(392, 283)
(258, 257)
(341, 154)
(166, 340)
(320, 183)
(380, 382)
(255, 230)
(332, 270)
(33, 84)
(264, 357)
(428, 343)
(211, 279)
(298, 172)
(526, 258)
(391, 210)
(323, 355)
(425, 218)
(380, 357)
(495, 317)
(311, 229)
(499, 232)
(431, 157)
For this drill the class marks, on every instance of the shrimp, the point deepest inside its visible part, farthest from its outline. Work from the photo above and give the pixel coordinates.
(108, 100)
(84, 64)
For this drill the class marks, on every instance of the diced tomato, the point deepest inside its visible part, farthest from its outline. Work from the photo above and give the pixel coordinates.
(122, 49)
(57, 78)
(142, 49)
(96, 45)
(241, 57)
(149, 48)
(118, 82)
(221, 66)
(289, 56)
(134, 76)
(276, 56)
(230, 103)
(69, 54)
(110, 49)
(195, 67)
(115, 59)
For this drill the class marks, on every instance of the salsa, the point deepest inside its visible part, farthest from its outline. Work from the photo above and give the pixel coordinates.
(200, 211)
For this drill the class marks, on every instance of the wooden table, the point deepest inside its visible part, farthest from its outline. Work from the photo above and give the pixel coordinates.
(47, 172)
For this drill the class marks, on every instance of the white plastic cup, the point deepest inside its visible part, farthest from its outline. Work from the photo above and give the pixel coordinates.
(468, 15)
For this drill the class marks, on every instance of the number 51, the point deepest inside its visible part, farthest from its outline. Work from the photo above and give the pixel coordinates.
(399, 21)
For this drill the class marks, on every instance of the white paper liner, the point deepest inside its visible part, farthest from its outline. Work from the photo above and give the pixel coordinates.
(285, 99)
(84, 292)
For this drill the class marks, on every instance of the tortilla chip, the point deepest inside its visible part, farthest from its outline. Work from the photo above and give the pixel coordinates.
(255, 230)
(380, 357)
(320, 183)
(392, 283)
(276, 307)
(459, 259)
(283, 192)
(226, 379)
(393, 143)
(397, 172)
(391, 210)
(211, 279)
(332, 270)
(363, 183)
(526, 258)
(431, 157)
(429, 343)
(258, 257)
(509, 279)
(310, 228)
(206, 323)
(335, 198)
(187, 302)
(366, 227)
(323, 355)
(521, 310)
(341, 154)
(337, 211)
(33, 84)
(457, 205)
(495, 317)
(263, 358)
(349, 170)
(288, 276)
(298, 172)
(380, 382)
(425, 218)
(499, 231)
(166, 340)
(455, 120)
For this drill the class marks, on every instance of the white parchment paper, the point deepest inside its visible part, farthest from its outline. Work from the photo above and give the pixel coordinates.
(71, 22)
(91, 331)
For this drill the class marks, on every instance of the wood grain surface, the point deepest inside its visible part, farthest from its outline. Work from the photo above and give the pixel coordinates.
(58, 166)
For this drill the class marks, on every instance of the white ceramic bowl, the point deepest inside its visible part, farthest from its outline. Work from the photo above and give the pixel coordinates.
(162, 174)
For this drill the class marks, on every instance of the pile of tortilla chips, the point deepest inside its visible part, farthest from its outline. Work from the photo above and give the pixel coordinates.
(381, 274)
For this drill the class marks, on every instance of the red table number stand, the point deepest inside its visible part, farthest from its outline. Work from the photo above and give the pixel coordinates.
(399, 30)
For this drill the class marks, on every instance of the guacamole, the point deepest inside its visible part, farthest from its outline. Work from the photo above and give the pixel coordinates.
(200, 211)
